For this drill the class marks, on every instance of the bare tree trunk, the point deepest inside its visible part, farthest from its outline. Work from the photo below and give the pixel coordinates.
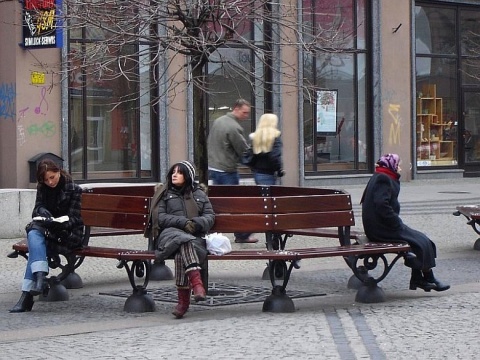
(199, 125)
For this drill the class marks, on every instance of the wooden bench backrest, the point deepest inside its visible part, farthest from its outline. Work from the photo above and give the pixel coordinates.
(237, 214)
(115, 211)
(237, 208)
(313, 211)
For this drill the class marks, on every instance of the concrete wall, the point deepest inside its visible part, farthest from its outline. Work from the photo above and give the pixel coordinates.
(16, 207)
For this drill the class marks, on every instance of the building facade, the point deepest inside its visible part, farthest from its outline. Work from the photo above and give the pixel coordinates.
(371, 77)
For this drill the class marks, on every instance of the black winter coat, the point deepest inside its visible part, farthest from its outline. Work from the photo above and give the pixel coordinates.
(271, 162)
(382, 222)
(172, 217)
(64, 200)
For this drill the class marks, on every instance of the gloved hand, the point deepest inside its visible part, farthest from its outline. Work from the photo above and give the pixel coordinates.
(280, 173)
(189, 227)
(198, 227)
(48, 223)
(41, 211)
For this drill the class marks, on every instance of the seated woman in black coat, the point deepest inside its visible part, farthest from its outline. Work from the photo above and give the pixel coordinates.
(381, 222)
(180, 216)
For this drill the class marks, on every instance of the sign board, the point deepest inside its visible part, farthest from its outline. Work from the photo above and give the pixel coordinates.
(327, 112)
(41, 24)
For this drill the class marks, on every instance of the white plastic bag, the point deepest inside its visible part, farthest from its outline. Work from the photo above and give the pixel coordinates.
(218, 244)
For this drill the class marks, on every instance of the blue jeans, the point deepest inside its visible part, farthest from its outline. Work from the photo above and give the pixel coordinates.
(264, 179)
(37, 258)
(227, 178)
(224, 178)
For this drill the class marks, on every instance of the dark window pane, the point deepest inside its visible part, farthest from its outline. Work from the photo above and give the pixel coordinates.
(470, 33)
(434, 30)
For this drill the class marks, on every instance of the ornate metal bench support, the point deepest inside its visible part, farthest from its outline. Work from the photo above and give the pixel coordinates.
(140, 301)
(160, 271)
(370, 292)
(278, 301)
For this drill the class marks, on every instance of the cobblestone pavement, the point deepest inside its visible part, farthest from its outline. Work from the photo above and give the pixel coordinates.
(409, 325)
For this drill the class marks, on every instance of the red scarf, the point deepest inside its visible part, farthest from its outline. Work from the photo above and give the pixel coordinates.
(390, 173)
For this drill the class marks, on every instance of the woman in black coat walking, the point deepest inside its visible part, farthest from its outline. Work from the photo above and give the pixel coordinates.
(382, 222)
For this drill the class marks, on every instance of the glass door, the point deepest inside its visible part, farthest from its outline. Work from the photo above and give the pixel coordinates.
(471, 128)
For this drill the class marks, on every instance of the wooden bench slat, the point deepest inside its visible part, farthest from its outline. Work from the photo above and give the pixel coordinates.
(280, 190)
(101, 202)
(322, 232)
(145, 190)
(114, 219)
(242, 223)
(246, 205)
(472, 211)
(313, 220)
(312, 203)
(287, 255)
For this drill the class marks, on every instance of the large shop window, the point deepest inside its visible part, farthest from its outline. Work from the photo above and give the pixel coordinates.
(437, 120)
(110, 123)
(236, 71)
(335, 125)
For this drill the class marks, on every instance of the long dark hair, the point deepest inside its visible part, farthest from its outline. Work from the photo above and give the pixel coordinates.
(49, 165)
(187, 172)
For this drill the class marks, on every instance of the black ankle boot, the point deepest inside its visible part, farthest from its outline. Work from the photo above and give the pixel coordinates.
(417, 280)
(40, 283)
(439, 286)
(25, 303)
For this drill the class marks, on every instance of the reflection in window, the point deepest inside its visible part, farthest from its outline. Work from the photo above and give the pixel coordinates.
(110, 126)
(336, 64)
(437, 120)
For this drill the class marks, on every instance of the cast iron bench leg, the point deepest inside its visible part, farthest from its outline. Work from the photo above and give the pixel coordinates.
(140, 301)
(274, 241)
(278, 301)
(370, 292)
(160, 271)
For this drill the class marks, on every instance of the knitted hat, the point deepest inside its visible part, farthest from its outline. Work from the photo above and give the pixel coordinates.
(191, 169)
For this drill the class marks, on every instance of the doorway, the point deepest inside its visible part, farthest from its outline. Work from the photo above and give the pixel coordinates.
(471, 133)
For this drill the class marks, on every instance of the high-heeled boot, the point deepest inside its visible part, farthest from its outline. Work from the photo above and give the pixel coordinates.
(195, 278)
(25, 303)
(40, 283)
(439, 286)
(417, 280)
(183, 302)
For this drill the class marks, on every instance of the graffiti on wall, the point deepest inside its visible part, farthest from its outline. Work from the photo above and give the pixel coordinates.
(7, 101)
(27, 120)
(394, 133)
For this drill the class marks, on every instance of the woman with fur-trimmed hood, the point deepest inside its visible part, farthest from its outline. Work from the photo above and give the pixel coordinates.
(181, 215)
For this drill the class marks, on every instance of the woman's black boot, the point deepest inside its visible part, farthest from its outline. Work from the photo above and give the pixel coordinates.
(25, 303)
(417, 281)
(39, 284)
(439, 286)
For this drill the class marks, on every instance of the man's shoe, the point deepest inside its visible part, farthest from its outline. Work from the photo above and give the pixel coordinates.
(249, 240)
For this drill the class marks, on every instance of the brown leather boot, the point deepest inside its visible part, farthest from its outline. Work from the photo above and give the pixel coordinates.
(183, 302)
(197, 285)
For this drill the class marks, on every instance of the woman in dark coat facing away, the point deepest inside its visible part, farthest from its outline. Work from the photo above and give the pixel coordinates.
(382, 222)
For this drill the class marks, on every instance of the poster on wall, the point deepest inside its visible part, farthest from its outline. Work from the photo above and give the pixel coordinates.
(41, 24)
(327, 112)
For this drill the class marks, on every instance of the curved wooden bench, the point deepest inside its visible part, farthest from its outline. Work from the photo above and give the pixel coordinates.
(280, 212)
(472, 214)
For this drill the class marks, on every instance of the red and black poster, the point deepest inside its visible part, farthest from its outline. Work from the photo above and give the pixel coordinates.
(41, 24)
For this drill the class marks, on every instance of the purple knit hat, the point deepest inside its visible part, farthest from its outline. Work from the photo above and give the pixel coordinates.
(389, 161)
